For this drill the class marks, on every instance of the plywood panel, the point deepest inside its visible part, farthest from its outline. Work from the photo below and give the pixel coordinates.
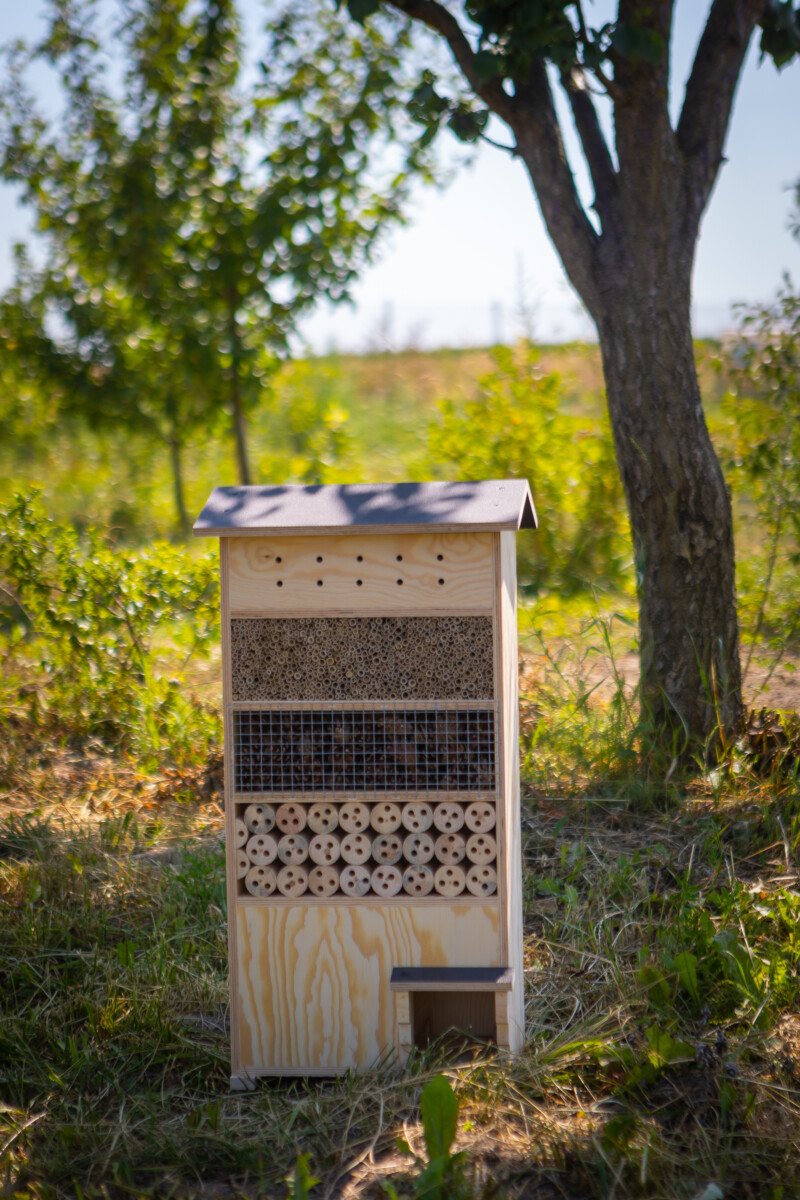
(398, 573)
(313, 987)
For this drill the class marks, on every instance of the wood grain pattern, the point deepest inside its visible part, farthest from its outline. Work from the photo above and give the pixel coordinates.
(303, 576)
(313, 981)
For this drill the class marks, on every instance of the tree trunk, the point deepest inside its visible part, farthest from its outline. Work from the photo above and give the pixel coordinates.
(177, 480)
(237, 409)
(679, 507)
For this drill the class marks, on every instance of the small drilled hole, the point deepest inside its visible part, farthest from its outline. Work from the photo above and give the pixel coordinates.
(359, 582)
(399, 583)
(399, 558)
(279, 559)
(360, 558)
(319, 583)
(439, 557)
(319, 558)
(441, 581)
(280, 583)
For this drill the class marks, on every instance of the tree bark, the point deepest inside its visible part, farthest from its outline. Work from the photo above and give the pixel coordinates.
(181, 512)
(237, 408)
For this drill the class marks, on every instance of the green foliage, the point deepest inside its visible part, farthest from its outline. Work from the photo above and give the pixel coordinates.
(517, 428)
(443, 1176)
(81, 625)
(301, 1182)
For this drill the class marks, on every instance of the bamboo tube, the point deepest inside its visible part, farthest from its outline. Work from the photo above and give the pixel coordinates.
(450, 848)
(417, 817)
(354, 817)
(291, 817)
(292, 880)
(385, 817)
(240, 832)
(388, 848)
(481, 848)
(259, 818)
(482, 880)
(418, 848)
(356, 848)
(324, 849)
(480, 816)
(417, 880)
(260, 881)
(449, 880)
(354, 880)
(323, 881)
(323, 818)
(293, 849)
(386, 880)
(262, 849)
(448, 817)
(243, 863)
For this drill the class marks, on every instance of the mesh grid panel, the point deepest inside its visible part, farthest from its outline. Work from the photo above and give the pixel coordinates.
(377, 748)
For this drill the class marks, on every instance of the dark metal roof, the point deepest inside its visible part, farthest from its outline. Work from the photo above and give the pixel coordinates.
(367, 507)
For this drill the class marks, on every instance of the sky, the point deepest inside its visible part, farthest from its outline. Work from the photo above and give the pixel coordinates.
(474, 264)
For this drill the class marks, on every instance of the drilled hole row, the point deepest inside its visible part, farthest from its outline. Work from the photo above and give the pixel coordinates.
(359, 582)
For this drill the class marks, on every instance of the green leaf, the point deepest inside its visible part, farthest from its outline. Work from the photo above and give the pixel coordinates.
(439, 1110)
(665, 1050)
(685, 964)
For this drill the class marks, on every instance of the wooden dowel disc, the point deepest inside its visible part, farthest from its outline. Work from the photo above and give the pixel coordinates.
(259, 818)
(323, 881)
(448, 817)
(293, 849)
(482, 880)
(291, 817)
(418, 848)
(323, 818)
(260, 881)
(356, 848)
(354, 817)
(240, 832)
(418, 880)
(262, 849)
(481, 848)
(354, 880)
(480, 816)
(388, 848)
(385, 817)
(292, 880)
(324, 849)
(450, 848)
(417, 817)
(386, 880)
(449, 880)
(243, 863)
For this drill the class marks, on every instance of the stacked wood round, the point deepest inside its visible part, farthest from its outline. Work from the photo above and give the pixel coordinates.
(356, 848)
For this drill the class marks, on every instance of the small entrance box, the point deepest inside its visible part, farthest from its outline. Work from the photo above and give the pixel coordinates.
(369, 650)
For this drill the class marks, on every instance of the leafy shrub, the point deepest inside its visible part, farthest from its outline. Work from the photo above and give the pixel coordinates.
(517, 428)
(85, 625)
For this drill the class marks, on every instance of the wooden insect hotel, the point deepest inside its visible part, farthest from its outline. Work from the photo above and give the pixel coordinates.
(369, 649)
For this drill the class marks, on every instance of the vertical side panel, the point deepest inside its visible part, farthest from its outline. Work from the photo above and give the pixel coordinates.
(230, 814)
(511, 806)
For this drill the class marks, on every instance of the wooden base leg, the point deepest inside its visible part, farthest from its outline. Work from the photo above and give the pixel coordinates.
(405, 1031)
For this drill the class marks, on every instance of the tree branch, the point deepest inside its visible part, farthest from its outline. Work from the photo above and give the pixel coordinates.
(707, 104)
(595, 147)
(436, 17)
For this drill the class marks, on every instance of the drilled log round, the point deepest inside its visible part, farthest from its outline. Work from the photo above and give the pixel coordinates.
(260, 881)
(259, 818)
(354, 817)
(293, 849)
(417, 880)
(324, 849)
(356, 848)
(323, 881)
(482, 880)
(449, 880)
(385, 817)
(448, 817)
(417, 817)
(418, 848)
(291, 817)
(262, 849)
(292, 880)
(481, 848)
(323, 818)
(450, 848)
(388, 848)
(354, 880)
(243, 863)
(386, 880)
(240, 833)
(480, 816)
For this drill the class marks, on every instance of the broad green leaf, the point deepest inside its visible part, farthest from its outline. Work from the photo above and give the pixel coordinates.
(439, 1111)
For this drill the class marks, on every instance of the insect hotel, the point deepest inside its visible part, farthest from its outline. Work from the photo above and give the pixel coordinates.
(369, 649)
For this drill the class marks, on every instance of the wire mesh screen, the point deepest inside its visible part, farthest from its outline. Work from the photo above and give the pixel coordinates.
(379, 748)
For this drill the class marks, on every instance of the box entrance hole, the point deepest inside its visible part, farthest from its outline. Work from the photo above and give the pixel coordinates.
(468, 1015)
